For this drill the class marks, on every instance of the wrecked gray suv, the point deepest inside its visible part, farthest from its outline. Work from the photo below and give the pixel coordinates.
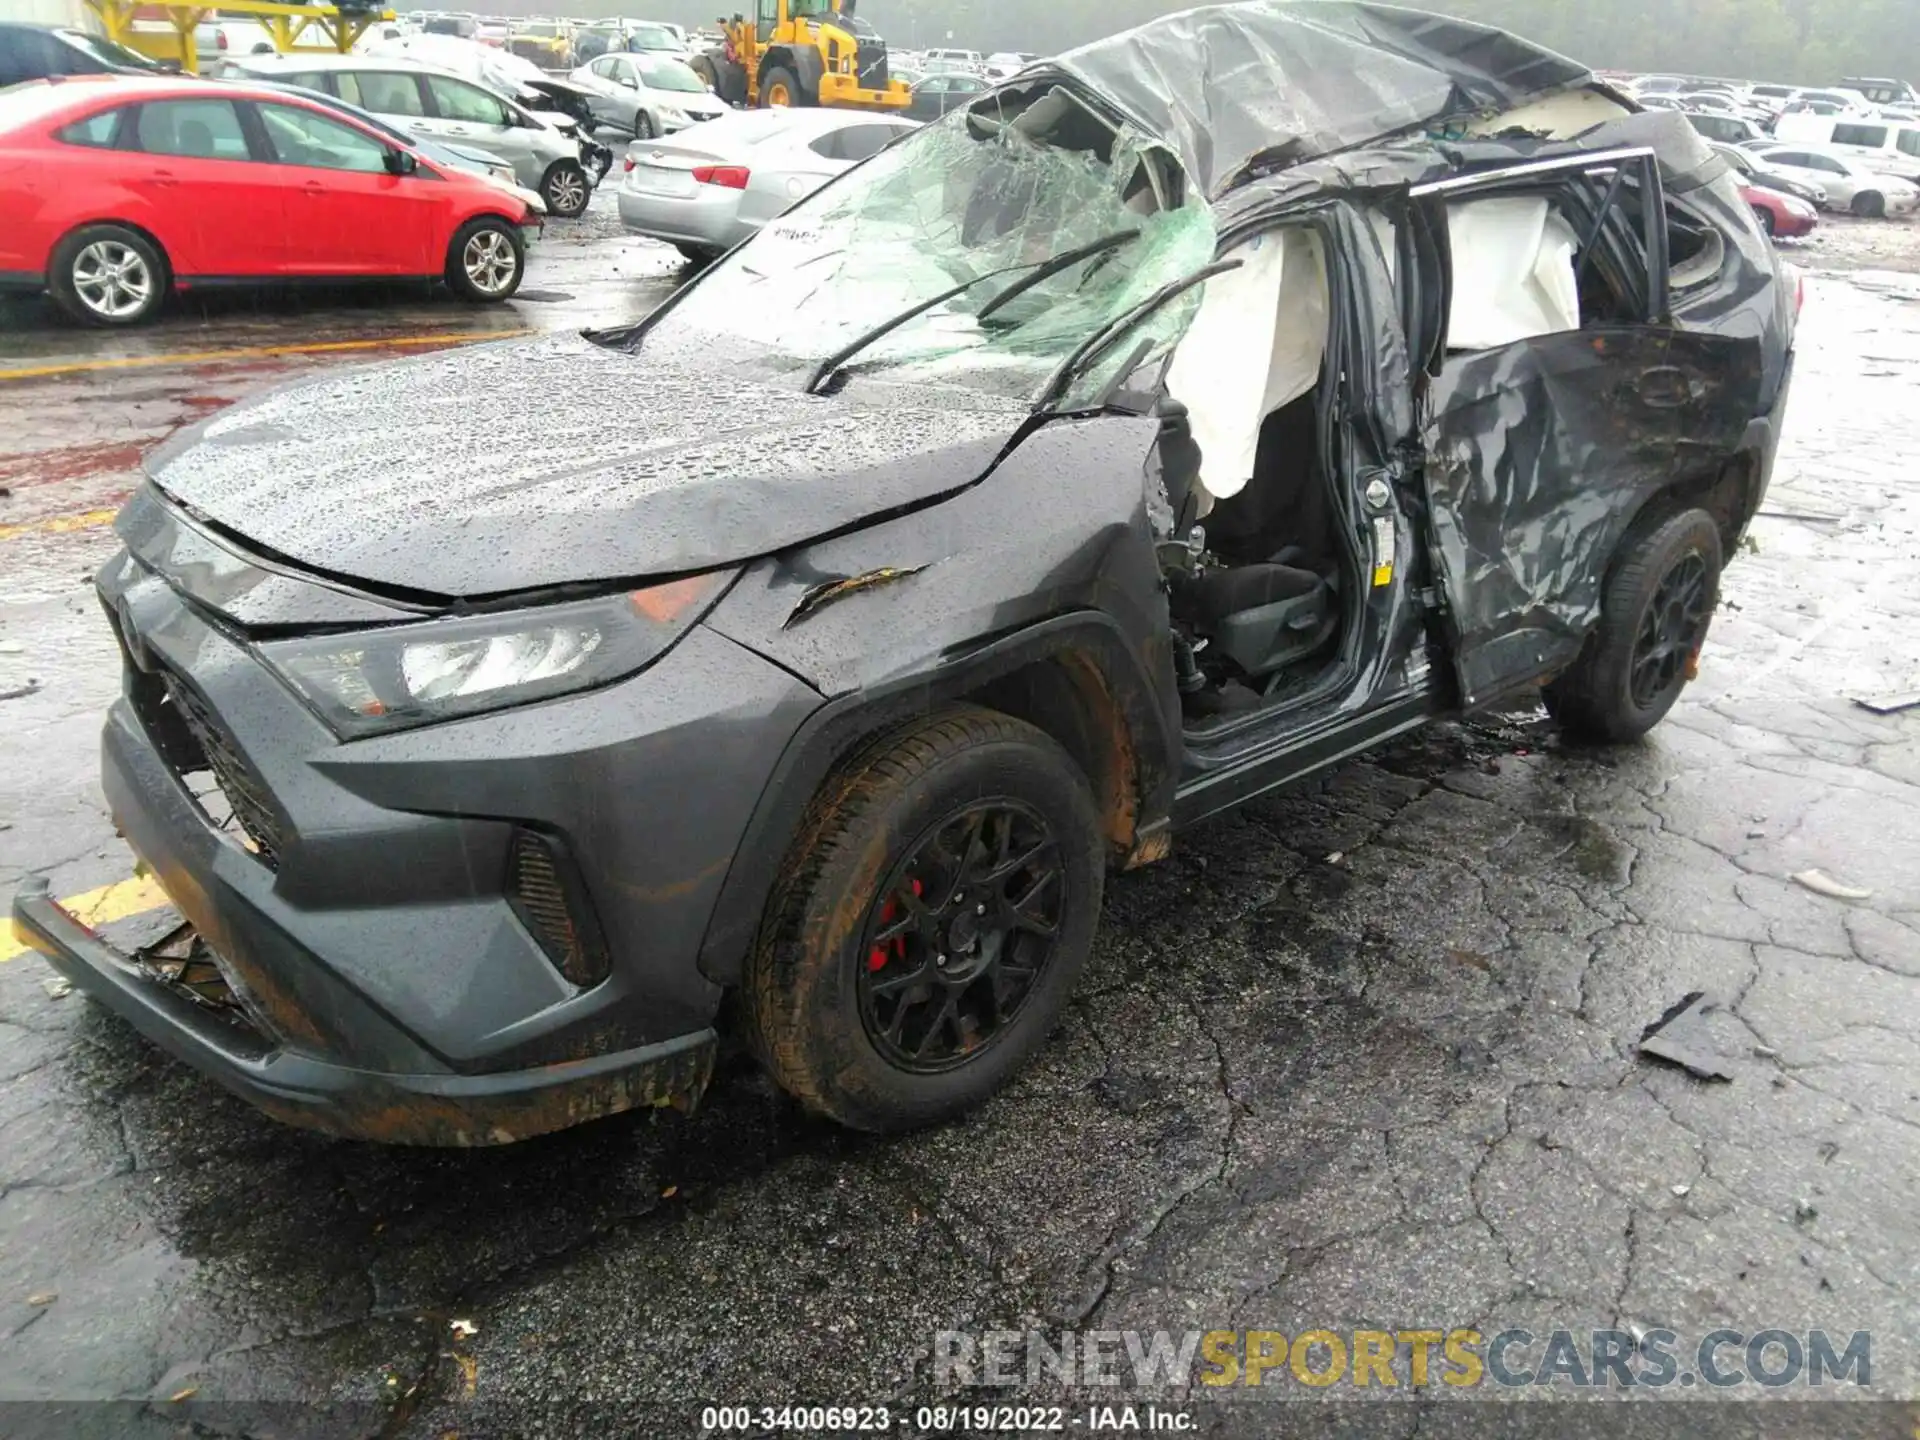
(1175, 421)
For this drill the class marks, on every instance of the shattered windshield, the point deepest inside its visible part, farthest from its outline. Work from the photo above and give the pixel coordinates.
(977, 205)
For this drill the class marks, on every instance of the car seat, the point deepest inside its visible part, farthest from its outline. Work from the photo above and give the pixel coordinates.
(1261, 617)
(195, 139)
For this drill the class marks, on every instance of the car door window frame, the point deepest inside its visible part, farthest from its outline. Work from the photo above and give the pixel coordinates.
(263, 108)
(421, 96)
(1611, 228)
(117, 137)
(130, 136)
(505, 116)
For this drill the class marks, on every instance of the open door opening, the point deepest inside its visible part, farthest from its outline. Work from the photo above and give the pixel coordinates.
(1262, 589)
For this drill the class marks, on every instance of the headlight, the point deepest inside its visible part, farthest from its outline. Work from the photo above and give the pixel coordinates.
(674, 114)
(373, 681)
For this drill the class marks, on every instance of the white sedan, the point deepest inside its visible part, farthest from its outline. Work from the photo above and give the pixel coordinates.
(1850, 184)
(710, 187)
(646, 94)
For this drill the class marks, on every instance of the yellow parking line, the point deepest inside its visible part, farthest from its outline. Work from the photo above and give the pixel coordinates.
(118, 901)
(59, 524)
(252, 352)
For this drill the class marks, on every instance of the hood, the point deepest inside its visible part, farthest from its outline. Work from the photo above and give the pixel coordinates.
(530, 464)
(1257, 86)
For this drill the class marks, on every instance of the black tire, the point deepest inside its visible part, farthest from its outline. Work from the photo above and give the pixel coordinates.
(813, 1009)
(642, 126)
(697, 254)
(778, 78)
(1632, 670)
(94, 248)
(566, 189)
(1765, 217)
(467, 279)
(1870, 205)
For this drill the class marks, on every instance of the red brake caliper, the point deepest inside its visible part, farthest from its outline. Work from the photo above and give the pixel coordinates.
(898, 945)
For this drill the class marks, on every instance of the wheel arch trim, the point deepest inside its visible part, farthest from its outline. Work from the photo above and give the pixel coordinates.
(1124, 734)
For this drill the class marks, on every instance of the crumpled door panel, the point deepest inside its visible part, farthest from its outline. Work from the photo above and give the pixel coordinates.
(1540, 454)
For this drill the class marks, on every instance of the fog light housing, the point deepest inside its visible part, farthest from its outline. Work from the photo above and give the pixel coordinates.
(546, 893)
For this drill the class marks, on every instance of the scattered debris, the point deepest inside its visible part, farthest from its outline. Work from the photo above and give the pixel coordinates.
(1804, 1212)
(669, 1192)
(1336, 857)
(58, 987)
(1822, 883)
(1472, 959)
(464, 1329)
(12, 647)
(1888, 704)
(1680, 1037)
(186, 1394)
(21, 692)
(44, 1298)
(1810, 516)
(1765, 1052)
(1681, 1190)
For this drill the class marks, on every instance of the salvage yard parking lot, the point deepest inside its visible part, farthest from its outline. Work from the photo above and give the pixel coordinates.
(1360, 1056)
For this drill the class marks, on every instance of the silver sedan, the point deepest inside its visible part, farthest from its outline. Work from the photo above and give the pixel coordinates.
(646, 95)
(710, 187)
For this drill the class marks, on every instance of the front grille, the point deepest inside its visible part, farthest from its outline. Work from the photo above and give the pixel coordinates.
(546, 893)
(207, 750)
(870, 63)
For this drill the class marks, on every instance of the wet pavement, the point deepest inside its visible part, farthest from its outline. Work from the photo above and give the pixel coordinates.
(1361, 1054)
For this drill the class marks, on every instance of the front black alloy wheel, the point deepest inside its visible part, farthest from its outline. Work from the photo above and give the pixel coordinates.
(927, 928)
(961, 933)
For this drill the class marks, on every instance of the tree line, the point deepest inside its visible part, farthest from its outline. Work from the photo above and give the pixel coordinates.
(1805, 42)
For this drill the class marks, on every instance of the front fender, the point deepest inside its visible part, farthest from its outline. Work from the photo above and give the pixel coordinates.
(1049, 556)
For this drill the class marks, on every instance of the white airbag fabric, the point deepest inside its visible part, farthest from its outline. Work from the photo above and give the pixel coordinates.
(1512, 273)
(1255, 346)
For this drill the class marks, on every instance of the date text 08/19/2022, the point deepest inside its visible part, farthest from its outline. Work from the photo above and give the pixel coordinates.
(944, 1419)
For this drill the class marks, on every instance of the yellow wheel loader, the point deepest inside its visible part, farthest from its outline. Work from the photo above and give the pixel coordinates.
(803, 52)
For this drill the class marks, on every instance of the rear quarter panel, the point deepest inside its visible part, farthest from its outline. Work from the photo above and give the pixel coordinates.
(49, 188)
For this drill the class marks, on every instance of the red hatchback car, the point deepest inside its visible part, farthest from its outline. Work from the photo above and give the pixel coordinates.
(113, 190)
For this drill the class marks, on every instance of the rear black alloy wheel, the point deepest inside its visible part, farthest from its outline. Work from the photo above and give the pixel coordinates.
(1654, 616)
(960, 934)
(942, 893)
(1672, 630)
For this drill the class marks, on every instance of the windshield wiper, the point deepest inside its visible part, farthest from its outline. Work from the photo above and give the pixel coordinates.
(1101, 339)
(1054, 266)
(879, 332)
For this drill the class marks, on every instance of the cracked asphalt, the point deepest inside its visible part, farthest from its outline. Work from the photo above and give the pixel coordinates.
(1360, 1055)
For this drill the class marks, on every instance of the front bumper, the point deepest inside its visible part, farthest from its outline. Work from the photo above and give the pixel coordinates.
(300, 1089)
(370, 922)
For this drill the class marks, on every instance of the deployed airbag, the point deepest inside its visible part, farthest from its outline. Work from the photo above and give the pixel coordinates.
(1255, 346)
(1513, 274)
